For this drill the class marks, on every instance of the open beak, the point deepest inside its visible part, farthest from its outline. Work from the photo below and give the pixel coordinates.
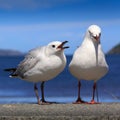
(62, 47)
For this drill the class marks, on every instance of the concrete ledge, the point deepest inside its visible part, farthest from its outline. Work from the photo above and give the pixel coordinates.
(104, 111)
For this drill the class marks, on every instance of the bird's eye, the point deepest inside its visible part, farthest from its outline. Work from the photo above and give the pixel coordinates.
(53, 46)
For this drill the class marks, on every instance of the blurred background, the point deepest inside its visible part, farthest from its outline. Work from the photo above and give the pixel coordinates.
(26, 24)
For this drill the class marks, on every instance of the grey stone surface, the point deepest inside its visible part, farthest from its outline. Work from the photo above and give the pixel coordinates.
(104, 111)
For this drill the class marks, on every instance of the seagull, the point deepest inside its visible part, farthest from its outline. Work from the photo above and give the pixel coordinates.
(88, 61)
(40, 65)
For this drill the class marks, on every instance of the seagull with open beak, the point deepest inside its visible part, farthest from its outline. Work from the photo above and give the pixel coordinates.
(40, 65)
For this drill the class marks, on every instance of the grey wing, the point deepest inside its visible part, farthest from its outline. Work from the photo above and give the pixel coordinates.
(28, 63)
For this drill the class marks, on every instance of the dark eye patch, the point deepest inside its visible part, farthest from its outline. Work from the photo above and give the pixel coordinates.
(53, 46)
(89, 32)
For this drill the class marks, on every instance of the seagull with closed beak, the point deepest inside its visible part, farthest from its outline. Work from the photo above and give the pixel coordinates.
(40, 65)
(88, 62)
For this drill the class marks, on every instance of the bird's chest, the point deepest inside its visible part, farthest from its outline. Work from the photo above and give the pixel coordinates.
(90, 67)
(52, 65)
(87, 60)
(45, 70)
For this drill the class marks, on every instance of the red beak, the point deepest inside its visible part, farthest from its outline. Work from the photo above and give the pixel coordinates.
(97, 37)
(61, 46)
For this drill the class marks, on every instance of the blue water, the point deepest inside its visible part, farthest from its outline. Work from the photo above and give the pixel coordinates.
(61, 89)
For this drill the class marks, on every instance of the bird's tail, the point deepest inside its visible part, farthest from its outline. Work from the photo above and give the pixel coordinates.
(12, 70)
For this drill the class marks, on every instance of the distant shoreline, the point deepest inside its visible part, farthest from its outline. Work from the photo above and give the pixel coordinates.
(115, 50)
(10, 52)
(7, 52)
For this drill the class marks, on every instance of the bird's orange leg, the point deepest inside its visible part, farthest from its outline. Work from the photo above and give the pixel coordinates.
(79, 100)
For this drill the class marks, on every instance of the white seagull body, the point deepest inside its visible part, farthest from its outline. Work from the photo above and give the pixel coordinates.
(88, 62)
(42, 64)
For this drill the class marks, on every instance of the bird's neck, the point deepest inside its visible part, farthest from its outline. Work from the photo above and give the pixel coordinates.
(92, 46)
(89, 42)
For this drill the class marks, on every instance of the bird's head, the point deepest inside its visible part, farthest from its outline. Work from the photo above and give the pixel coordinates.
(94, 32)
(56, 47)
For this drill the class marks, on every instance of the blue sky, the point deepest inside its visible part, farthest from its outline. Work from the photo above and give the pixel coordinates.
(26, 24)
